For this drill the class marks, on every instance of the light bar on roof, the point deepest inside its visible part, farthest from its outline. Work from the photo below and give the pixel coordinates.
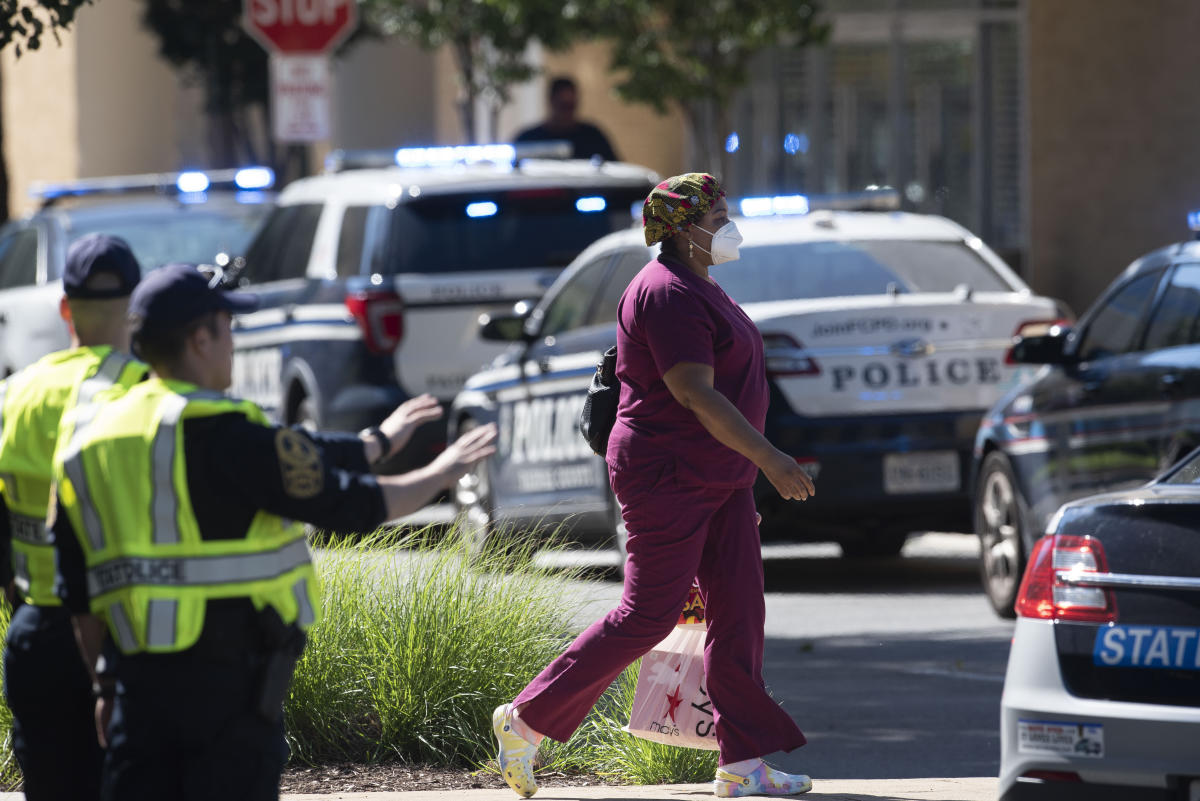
(876, 199)
(780, 204)
(446, 156)
(1194, 220)
(192, 182)
(188, 182)
(254, 178)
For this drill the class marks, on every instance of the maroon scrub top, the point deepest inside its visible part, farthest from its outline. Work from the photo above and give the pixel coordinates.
(668, 315)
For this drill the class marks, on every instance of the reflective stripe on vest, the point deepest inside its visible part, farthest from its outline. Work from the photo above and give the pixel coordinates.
(73, 467)
(164, 503)
(29, 530)
(306, 615)
(9, 482)
(160, 623)
(125, 637)
(21, 571)
(184, 571)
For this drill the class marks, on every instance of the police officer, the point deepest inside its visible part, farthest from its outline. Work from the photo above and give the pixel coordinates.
(189, 585)
(46, 684)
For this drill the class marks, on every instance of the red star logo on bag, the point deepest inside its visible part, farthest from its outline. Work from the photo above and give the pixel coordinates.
(673, 702)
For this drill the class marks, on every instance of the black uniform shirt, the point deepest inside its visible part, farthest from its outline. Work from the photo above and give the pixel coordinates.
(234, 469)
(586, 140)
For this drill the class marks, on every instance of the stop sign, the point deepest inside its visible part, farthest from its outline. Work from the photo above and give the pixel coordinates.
(300, 26)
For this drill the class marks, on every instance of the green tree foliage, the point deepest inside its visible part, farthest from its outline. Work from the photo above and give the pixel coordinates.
(697, 53)
(489, 40)
(25, 22)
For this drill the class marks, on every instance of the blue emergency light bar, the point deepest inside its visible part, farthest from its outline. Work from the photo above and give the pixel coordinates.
(592, 203)
(1194, 221)
(446, 156)
(482, 208)
(189, 183)
(881, 199)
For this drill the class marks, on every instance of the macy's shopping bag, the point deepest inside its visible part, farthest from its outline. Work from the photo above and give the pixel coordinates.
(671, 704)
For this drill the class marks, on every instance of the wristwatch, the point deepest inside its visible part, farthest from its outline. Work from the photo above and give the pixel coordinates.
(385, 444)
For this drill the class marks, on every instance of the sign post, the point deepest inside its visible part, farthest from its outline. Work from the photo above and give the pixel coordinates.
(299, 35)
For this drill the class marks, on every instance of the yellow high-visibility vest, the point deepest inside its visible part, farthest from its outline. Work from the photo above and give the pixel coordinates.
(123, 484)
(36, 408)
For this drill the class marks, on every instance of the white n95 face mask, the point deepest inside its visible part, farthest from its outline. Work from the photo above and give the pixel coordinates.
(725, 243)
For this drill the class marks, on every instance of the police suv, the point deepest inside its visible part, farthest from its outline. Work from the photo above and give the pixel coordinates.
(186, 216)
(885, 337)
(372, 276)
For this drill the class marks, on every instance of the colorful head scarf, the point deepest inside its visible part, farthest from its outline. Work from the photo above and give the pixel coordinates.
(676, 203)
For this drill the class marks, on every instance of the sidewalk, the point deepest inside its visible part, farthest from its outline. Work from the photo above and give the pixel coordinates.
(973, 789)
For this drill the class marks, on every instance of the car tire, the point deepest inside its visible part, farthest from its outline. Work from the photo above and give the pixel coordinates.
(1000, 523)
(306, 415)
(874, 544)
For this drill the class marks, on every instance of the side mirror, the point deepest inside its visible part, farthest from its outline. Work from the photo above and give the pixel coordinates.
(506, 326)
(1044, 348)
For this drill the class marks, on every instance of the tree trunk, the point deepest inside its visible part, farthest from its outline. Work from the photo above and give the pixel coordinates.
(467, 89)
(718, 135)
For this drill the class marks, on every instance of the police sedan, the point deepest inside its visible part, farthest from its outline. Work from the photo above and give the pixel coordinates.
(885, 336)
(1102, 693)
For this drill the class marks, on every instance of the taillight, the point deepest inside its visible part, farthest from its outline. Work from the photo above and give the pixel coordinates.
(1045, 595)
(785, 356)
(380, 315)
(1032, 328)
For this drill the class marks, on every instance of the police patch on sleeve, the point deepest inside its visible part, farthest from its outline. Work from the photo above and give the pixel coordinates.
(299, 464)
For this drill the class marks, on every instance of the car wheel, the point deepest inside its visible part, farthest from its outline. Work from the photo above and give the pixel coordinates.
(306, 415)
(473, 502)
(878, 543)
(1000, 525)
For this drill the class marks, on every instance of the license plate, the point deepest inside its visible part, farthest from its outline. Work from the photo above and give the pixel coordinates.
(935, 471)
(1169, 647)
(1060, 737)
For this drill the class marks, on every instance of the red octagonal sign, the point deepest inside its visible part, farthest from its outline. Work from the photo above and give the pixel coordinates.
(300, 26)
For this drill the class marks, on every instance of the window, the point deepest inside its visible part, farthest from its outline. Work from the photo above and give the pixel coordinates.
(1110, 331)
(570, 306)
(803, 270)
(350, 241)
(1176, 321)
(503, 230)
(193, 233)
(629, 263)
(18, 258)
(282, 248)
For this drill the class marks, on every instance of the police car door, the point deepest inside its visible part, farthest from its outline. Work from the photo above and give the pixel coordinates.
(1171, 358)
(30, 325)
(1111, 411)
(551, 472)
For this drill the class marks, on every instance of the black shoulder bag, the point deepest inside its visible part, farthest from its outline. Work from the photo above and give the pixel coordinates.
(600, 406)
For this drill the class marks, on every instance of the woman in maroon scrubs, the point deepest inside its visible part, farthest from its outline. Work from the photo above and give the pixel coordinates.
(682, 458)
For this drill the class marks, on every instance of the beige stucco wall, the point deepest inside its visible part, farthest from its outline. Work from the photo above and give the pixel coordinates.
(131, 109)
(40, 118)
(1114, 122)
(383, 96)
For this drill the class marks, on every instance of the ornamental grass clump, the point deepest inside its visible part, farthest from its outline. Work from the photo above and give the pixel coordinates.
(420, 640)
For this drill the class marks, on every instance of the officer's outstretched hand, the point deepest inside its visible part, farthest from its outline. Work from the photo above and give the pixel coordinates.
(400, 424)
(462, 454)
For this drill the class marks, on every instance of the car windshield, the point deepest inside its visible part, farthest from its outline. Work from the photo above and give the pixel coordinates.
(185, 233)
(803, 270)
(484, 231)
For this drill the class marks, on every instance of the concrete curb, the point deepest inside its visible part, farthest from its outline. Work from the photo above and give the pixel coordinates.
(965, 789)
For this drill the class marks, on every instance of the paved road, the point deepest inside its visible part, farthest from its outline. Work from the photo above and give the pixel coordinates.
(893, 668)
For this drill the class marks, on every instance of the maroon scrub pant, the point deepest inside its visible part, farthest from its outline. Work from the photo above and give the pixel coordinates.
(677, 533)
